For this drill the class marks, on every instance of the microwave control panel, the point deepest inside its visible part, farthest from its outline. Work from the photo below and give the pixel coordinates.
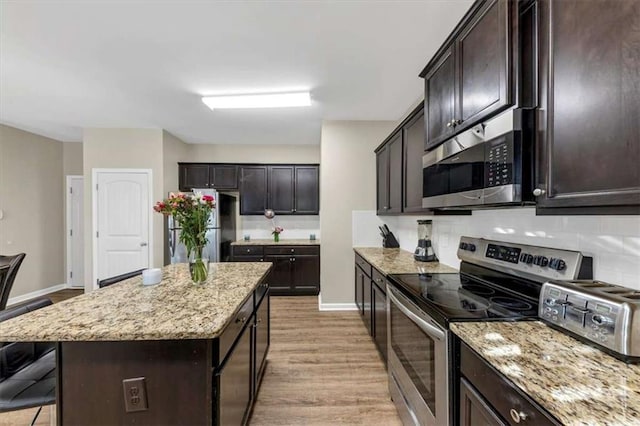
(499, 163)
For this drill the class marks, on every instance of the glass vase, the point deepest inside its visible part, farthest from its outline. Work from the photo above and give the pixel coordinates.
(199, 265)
(276, 237)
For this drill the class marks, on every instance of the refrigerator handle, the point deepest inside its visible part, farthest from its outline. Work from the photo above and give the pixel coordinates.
(172, 242)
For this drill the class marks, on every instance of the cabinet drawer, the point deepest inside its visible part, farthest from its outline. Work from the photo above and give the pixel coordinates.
(241, 250)
(379, 279)
(235, 326)
(364, 265)
(292, 250)
(503, 396)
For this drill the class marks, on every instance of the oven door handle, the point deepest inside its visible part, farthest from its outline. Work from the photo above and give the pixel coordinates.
(425, 326)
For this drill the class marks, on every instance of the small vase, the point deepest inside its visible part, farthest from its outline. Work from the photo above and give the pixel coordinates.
(198, 266)
(276, 237)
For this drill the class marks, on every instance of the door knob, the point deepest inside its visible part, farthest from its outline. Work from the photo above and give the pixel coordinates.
(143, 244)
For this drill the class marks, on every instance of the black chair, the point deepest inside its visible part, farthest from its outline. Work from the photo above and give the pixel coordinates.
(13, 262)
(27, 369)
(110, 281)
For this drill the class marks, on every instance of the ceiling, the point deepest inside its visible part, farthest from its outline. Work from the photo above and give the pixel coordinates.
(68, 65)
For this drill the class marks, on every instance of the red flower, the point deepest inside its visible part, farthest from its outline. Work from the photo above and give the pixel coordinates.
(208, 198)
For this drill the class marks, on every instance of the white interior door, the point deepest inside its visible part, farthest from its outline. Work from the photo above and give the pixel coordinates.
(75, 231)
(123, 218)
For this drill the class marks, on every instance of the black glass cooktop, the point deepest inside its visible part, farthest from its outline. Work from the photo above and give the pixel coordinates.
(458, 297)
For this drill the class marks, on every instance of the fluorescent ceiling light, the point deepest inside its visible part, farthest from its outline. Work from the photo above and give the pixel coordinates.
(262, 100)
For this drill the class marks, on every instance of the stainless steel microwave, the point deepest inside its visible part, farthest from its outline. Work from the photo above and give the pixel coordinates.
(488, 165)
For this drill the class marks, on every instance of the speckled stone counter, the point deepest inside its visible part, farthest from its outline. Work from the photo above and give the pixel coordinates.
(576, 383)
(270, 242)
(174, 309)
(398, 261)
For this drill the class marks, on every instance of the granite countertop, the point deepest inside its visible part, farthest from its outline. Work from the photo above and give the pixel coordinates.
(398, 261)
(576, 383)
(174, 309)
(270, 242)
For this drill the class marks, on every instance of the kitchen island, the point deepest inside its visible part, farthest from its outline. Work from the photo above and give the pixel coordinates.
(195, 352)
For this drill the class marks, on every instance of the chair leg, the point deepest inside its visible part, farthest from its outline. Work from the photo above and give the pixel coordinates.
(33, 422)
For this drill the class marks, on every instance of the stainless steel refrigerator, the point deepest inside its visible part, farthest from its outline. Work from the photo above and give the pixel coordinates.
(221, 231)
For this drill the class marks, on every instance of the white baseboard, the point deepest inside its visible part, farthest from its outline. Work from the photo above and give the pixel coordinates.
(338, 307)
(335, 306)
(37, 293)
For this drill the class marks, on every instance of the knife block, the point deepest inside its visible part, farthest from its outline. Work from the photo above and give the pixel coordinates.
(390, 241)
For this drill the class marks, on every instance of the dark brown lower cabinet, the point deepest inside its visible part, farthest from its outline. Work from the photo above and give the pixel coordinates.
(368, 306)
(296, 269)
(261, 339)
(359, 293)
(235, 383)
(489, 398)
(380, 319)
(474, 410)
(371, 301)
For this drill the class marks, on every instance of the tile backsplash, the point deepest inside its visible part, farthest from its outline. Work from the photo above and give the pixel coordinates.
(259, 227)
(612, 241)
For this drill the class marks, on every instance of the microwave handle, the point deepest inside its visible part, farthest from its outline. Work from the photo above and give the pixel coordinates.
(425, 326)
(493, 194)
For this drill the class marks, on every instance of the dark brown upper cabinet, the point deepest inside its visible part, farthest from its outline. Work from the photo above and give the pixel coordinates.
(414, 137)
(281, 189)
(589, 120)
(253, 190)
(439, 92)
(470, 77)
(389, 176)
(215, 176)
(294, 189)
(307, 190)
(285, 188)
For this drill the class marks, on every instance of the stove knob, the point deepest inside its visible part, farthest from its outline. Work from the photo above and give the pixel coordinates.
(472, 247)
(529, 259)
(536, 260)
(600, 320)
(463, 246)
(540, 261)
(523, 257)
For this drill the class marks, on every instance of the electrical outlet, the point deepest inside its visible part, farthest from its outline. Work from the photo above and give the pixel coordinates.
(135, 395)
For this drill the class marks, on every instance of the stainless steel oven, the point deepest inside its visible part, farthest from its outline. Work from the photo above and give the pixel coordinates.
(417, 362)
(489, 164)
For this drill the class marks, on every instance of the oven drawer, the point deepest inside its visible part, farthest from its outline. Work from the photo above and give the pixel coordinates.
(513, 405)
(364, 265)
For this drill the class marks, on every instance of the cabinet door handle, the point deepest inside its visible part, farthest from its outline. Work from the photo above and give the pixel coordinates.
(293, 250)
(259, 320)
(241, 320)
(449, 124)
(248, 250)
(538, 192)
(517, 416)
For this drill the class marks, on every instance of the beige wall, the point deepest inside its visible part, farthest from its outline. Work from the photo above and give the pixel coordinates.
(122, 148)
(174, 150)
(71, 158)
(209, 153)
(32, 199)
(347, 183)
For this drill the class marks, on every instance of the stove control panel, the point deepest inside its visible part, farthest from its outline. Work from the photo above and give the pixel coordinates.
(596, 312)
(535, 263)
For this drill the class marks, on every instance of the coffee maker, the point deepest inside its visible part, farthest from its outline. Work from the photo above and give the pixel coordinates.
(424, 252)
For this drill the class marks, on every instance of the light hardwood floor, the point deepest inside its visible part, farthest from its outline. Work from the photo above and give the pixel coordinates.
(322, 369)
